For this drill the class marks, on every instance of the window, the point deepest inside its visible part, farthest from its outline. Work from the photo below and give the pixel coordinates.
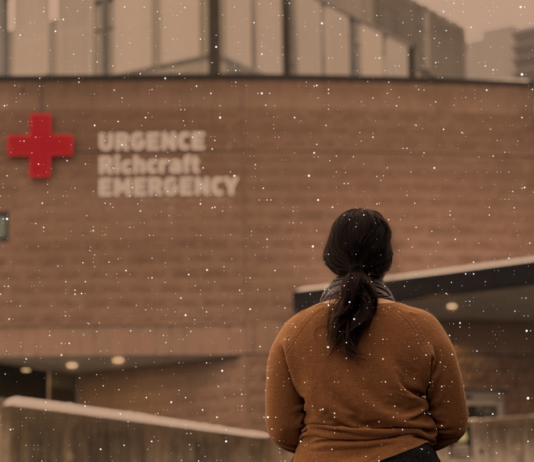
(251, 37)
(4, 222)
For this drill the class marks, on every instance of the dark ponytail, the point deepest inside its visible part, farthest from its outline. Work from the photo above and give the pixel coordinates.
(359, 251)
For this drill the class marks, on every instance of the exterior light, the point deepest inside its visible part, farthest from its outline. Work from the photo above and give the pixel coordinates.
(118, 360)
(26, 370)
(451, 306)
(72, 365)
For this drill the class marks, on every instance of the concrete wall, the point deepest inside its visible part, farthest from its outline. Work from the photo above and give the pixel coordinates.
(502, 439)
(35, 429)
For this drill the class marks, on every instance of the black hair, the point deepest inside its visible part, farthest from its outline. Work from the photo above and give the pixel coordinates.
(358, 250)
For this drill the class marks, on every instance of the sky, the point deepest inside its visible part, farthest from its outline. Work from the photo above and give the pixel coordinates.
(480, 16)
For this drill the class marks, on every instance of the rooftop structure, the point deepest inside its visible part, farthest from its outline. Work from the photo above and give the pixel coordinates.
(367, 38)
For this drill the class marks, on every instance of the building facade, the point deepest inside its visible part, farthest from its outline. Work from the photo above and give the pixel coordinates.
(493, 57)
(150, 264)
(371, 38)
(524, 52)
(503, 55)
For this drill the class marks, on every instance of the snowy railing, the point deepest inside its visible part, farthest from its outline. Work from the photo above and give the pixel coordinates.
(508, 438)
(38, 429)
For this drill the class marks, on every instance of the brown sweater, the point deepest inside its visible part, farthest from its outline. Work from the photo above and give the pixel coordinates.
(404, 392)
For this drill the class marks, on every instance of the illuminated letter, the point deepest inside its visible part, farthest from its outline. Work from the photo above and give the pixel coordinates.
(104, 162)
(168, 141)
(137, 139)
(198, 140)
(216, 190)
(170, 186)
(139, 186)
(105, 141)
(122, 186)
(182, 140)
(152, 141)
(175, 168)
(202, 186)
(121, 142)
(104, 187)
(231, 183)
(139, 165)
(151, 165)
(126, 166)
(186, 186)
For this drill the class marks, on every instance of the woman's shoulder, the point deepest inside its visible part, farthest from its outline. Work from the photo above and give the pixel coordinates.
(411, 313)
(301, 320)
(424, 323)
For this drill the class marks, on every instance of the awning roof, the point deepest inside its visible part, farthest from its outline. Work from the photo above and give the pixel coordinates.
(499, 290)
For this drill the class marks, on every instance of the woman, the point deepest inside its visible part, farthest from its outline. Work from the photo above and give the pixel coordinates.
(359, 377)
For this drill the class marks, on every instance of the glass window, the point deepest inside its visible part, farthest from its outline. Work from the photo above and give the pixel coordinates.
(53, 12)
(269, 36)
(11, 15)
(182, 38)
(397, 58)
(72, 37)
(165, 37)
(370, 55)
(306, 37)
(4, 226)
(132, 46)
(337, 43)
(28, 38)
(236, 18)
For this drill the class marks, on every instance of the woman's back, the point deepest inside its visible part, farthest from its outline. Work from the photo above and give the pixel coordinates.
(402, 391)
(360, 377)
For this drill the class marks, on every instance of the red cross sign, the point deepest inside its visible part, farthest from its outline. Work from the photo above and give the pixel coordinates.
(40, 145)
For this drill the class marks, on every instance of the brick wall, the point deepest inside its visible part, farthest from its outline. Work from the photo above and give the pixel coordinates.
(450, 165)
(228, 391)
